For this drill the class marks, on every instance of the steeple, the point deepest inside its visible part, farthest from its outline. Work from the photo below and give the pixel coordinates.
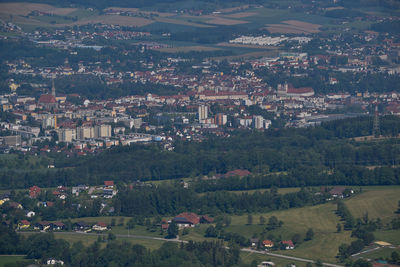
(53, 88)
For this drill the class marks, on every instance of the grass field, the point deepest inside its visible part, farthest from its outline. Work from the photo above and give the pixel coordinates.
(322, 219)
(377, 201)
(391, 236)
(4, 259)
(382, 253)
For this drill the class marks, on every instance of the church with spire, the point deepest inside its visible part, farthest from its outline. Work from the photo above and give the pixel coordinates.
(48, 101)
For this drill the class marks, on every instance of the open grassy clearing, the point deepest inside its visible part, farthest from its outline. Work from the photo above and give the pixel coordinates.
(378, 202)
(322, 219)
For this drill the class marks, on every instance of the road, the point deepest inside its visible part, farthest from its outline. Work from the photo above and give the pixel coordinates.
(117, 235)
(183, 241)
(287, 257)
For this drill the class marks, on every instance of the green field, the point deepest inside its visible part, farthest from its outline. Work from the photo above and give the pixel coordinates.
(4, 259)
(382, 253)
(377, 201)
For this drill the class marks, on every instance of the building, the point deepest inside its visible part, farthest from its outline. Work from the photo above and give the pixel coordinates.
(203, 112)
(103, 130)
(186, 219)
(66, 134)
(220, 119)
(12, 140)
(84, 132)
(48, 102)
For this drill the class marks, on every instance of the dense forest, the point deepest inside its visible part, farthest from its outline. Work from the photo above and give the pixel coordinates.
(329, 155)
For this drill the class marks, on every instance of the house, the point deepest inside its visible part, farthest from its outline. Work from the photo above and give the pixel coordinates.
(266, 264)
(57, 226)
(34, 191)
(100, 226)
(287, 244)
(5, 197)
(24, 224)
(42, 226)
(164, 226)
(15, 205)
(54, 262)
(268, 243)
(109, 184)
(30, 214)
(81, 226)
(254, 242)
(186, 219)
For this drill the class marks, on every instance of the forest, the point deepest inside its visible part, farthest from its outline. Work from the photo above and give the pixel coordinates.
(329, 155)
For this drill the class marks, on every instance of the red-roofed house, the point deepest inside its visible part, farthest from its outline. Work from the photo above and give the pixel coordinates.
(100, 226)
(34, 191)
(288, 244)
(109, 183)
(186, 219)
(268, 243)
(24, 224)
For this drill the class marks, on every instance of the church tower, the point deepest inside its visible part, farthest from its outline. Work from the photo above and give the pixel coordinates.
(53, 89)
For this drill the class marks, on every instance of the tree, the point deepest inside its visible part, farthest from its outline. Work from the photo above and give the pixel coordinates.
(309, 234)
(111, 236)
(395, 257)
(262, 220)
(249, 219)
(211, 232)
(318, 263)
(338, 227)
(173, 230)
(296, 238)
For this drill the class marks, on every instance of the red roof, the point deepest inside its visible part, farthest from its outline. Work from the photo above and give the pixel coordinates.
(34, 191)
(109, 183)
(190, 216)
(101, 224)
(47, 99)
(25, 222)
(302, 90)
(288, 243)
(268, 243)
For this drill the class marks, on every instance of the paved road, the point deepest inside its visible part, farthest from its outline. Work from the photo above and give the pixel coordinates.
(287, 257)
(117, 235)
(182, 241)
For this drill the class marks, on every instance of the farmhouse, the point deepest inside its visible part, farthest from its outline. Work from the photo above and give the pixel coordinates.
(186, 219)
(100, 226)
(287, 244)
